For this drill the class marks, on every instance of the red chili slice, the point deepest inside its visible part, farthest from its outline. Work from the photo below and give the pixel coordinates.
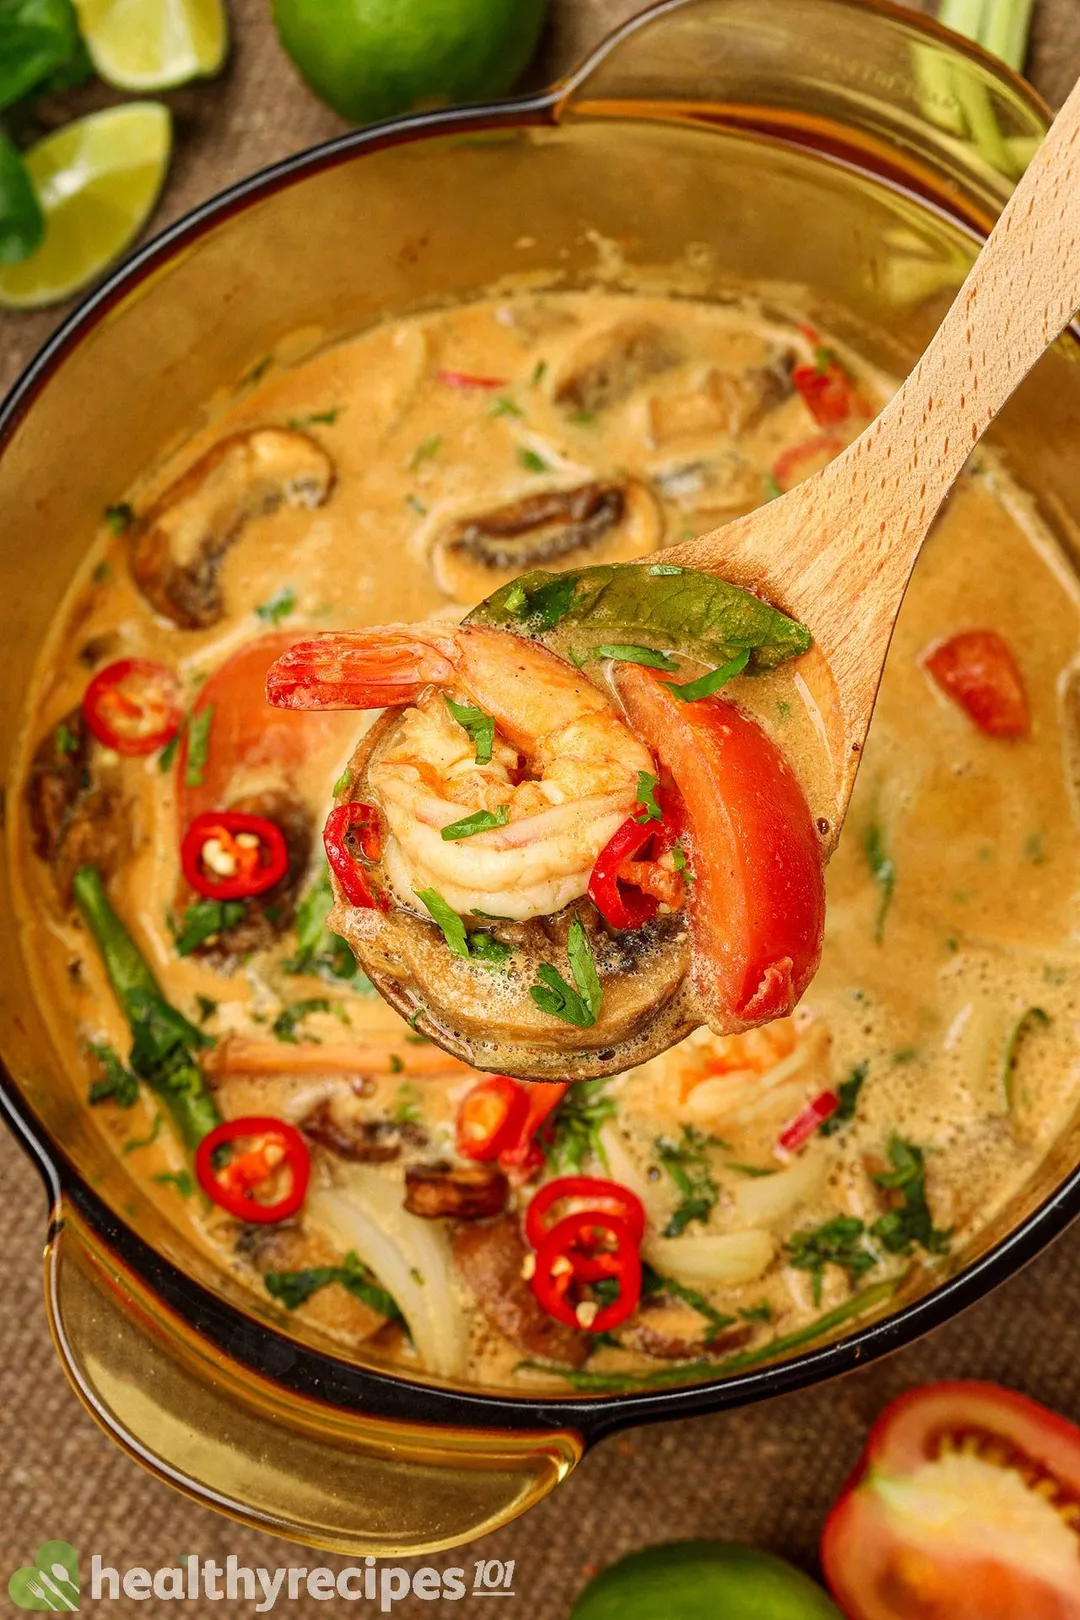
(588, 1247)
(627, 883)
(826, 389)
(133, 706)
(348, 825)
(803, 1126)
(466, 379)
(254, 846)
(978, 671)
(277, 1146)
(491, 1117)
(523, 1158)
(610, 1197)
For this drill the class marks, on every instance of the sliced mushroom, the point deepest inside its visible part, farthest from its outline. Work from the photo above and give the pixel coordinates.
(723, 483)
(728, 402)
(456, 1192)
(294, 1248)
(176, 546)
(266, 916)
(609, 365)
(671, 1332)
(646, 1002)
(78, 813)
(561, 528)
(490, 1256)
(361, 1141)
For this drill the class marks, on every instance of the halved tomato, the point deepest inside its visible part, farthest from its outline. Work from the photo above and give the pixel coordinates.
(757, 902)
(965, 1506)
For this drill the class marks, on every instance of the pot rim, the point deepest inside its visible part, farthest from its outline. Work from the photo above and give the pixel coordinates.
(248, 1339)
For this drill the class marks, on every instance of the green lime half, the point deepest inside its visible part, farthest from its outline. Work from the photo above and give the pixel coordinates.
(703, 1580)
(154, 44)
(372, 59)
(97, 181)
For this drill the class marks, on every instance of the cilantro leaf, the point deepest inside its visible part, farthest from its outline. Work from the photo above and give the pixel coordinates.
(204, 920)
(295, 1288)
(910, 1223)
(848, 1093)
(479, 821)
(117, 1084)
(480, 726)
(707, 685)
(198, 738)
(883, 870)
(278, 606)
(646, 796)
(839, 1242)
(453, 929)
(625, 652)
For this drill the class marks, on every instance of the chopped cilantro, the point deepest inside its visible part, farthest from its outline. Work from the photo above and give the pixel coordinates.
(848, 1093)
(706, 685)
(626, 653)
(688, 1164)
(580, 1006)
(573, 1133)
(546, 605)
(316, 418)
(680, 862)
(417, 505)
(317, 949)
(204, 920)
(295, 1288)
(426, 450)
(883, 871)
(342, 783)
(479, 821)
(117, 1084)
(757, 1313)
(444, 915)
(290, 1018)
(198, 750)
(653, 1283)
(911, 1222)
(146, 1141)
(752, 1170)
(207, 1007)
(480, 727)
(839, 1242)
(647, 785)
(182, 1180)
(278, 606)
(538, 374)
(65, 740)
(582, 418)
(119, 517)
(505, 406)
(168, 753)
(532, 461)
(488, 950)
(772, 488)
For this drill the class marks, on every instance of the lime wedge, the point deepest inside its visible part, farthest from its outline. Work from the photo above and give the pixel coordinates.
(154, 44)
(97, 180)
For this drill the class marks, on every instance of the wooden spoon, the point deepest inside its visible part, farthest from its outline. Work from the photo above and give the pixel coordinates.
(837, 551)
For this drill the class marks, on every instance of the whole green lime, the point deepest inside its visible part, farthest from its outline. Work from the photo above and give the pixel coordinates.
(371, 59)
(703, 1580)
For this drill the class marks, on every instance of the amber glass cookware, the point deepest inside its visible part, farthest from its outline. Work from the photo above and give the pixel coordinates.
(844, 157)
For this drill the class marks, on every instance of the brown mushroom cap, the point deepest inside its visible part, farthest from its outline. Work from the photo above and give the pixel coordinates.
(601, 521)
(486, 1015)
(176, 546)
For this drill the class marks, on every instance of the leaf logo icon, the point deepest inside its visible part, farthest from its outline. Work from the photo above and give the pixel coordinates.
(51, 1582)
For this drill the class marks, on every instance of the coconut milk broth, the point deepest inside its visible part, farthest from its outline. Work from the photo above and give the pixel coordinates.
(920, 998)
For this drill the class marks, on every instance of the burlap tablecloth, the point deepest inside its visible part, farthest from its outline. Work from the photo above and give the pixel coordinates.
(764, 1475)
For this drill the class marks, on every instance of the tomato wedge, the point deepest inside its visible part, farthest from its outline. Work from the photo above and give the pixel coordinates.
(965, 1506)
(757, 905)
(250, 746)
(978, 671)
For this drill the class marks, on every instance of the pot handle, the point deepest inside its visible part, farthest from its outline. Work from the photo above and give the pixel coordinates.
(281, 1462)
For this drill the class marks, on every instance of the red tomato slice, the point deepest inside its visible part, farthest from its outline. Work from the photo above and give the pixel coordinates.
(757, 903)
(978, 671)
(964, 1506)
(251, 746)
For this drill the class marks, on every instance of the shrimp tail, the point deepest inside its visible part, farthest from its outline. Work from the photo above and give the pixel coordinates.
(362, 669)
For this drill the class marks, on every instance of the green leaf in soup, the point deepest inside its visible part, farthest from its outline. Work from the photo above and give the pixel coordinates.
(36, 38)
(691, 612)
(22, 224)
(442, 913)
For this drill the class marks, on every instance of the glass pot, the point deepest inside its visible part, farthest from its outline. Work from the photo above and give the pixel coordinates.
(843, 156)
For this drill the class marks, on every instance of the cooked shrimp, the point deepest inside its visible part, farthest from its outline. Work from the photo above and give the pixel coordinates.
(563, 764)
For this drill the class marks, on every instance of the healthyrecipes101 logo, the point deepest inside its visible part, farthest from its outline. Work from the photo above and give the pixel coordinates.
(51, 1582)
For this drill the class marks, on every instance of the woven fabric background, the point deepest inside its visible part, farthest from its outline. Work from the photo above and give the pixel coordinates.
(764, 1475)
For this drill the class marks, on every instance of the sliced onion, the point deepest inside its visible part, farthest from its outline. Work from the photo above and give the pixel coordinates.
(720, 1259)
(410, 1257)
(623, 1169)
(767, 1199)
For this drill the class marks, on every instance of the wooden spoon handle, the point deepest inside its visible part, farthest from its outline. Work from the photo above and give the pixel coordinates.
(841, 547)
